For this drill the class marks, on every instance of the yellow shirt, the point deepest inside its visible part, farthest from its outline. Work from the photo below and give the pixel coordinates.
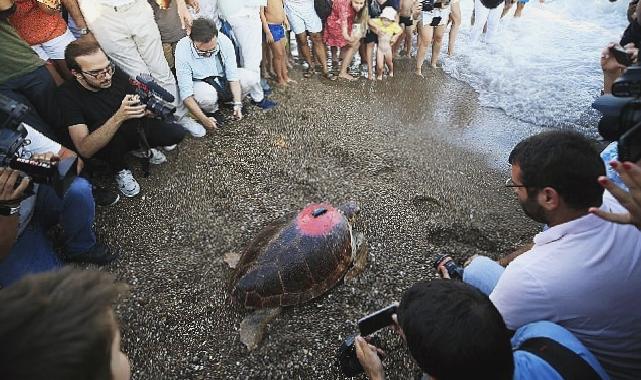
(392, 28)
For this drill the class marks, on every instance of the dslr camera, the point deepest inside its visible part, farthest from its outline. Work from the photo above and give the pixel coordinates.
(622, 114)
(157, 99)
(346, 358)
(13, 137)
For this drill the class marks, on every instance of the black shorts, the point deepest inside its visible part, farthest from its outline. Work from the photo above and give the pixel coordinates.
(406, 20)
(370, 37)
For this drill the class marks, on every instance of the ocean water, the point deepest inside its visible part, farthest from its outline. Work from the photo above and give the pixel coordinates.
(544, 67)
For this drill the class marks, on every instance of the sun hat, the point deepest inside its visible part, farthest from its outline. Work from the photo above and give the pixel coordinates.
(389, 13)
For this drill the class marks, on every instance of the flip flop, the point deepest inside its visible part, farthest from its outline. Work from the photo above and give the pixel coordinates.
(328, 75)
(309, 73)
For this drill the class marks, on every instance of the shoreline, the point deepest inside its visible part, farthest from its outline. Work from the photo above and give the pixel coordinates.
(407, 150)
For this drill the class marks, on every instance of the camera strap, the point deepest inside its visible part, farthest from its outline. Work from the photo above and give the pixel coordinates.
(566, 362)
(144, 144)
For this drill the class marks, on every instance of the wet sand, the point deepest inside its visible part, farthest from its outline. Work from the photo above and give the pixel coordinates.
(424, 161)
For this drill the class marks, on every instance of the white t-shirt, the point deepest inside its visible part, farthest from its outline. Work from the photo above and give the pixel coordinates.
(39, 144)
(584, 275)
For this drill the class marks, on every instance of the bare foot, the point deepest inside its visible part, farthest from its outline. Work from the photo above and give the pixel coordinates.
(289, 80)
(346, 76)
(435, 66)
(282, 84)
(391, 74)
(379, 77)
(419, 73)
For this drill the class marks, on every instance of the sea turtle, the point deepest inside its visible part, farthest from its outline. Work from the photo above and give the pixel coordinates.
(294, 260)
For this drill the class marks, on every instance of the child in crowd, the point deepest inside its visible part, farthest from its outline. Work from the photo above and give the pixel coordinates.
(353, 29)
(387, 30)
(273, 18)
(408, 25)
(333, 33)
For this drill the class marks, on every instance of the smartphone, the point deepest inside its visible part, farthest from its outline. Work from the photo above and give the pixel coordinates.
(630, 145)
(621, 55)
(377, 320)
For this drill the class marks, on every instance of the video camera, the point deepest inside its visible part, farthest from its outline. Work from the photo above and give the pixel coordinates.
(13, 137)
(157, 99)
(346, 357)
(622, 114)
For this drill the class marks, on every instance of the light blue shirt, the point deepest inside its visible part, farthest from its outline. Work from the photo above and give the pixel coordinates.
(528, 366)
(190, 66)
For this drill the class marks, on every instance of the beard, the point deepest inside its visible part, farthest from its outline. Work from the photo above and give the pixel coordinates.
(534, 211)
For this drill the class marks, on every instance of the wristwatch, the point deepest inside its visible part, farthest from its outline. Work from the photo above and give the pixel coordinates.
(83, 31)
(8, 210)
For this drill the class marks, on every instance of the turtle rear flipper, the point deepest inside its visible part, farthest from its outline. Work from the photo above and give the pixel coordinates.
(253, 327)
(360, 257)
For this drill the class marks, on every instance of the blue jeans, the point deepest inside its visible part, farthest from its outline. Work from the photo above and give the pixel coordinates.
(483, 273)
(32, 251)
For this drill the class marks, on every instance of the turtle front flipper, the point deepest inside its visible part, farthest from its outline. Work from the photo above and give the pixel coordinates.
(359, 258)
(253, 327)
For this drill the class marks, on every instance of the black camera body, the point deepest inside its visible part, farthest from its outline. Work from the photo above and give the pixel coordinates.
(622, 114)
(346, 358)
(157, 99)
(455, 271)
(13, 137)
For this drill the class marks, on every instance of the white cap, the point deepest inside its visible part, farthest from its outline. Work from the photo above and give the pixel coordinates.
(389, 13)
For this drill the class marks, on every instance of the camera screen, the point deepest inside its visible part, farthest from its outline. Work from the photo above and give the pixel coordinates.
(377, 320)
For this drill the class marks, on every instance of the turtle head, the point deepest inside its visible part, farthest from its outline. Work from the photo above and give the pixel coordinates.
(350, 210)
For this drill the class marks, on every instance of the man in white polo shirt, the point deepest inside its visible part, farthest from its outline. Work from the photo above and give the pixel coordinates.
(127, 32)
(583, 272)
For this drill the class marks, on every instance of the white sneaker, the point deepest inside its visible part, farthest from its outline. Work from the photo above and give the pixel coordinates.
(157, 157)
(127, 184)
(192, 127)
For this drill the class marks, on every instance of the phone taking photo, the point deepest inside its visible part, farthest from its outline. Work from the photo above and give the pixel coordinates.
(621, 55)
(377, 320)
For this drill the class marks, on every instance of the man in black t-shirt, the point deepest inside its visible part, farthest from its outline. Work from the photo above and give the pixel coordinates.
(102, 114)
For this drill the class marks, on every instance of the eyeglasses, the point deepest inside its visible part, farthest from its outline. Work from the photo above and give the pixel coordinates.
(102, 73)
(510, 183)
(203, 53)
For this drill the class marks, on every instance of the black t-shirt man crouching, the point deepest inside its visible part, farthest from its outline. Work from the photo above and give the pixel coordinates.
(102, 114)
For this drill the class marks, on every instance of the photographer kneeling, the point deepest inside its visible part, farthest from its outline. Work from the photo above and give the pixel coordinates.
(208, 74)
(25, 220)
(103, 115)
(453, 331)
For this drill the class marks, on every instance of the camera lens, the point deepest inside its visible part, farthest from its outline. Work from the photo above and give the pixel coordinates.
(455, 271)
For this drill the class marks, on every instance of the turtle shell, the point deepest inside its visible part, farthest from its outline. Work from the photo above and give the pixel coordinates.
(294, 259)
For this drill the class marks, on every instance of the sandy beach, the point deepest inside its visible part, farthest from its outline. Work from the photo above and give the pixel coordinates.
(425, 162)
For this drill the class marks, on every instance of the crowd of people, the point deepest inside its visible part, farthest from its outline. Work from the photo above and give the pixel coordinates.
(565, 301)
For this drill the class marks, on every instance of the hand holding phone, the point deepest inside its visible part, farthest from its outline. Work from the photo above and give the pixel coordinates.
(621, 55)
(377, 320)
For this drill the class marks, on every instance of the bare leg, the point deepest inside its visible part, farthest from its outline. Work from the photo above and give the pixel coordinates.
(455, 17)
(389, 61)
(506, 8)
(304, 51)
(281, 47)
(439, 32)
(409, 33)
(519, 9)
(350, 51)
(320, 51)
(370, 61)
(425, 34)
(278, 53)
(380, 64)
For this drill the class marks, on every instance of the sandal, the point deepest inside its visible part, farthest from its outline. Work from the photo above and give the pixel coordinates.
(328, 75)
(309, 73)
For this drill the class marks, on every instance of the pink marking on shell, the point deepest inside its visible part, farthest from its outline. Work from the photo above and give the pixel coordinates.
(308, 224)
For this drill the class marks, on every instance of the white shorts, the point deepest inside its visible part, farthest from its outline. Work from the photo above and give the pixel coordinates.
(427, 17)
(303, 17)
(55, 48)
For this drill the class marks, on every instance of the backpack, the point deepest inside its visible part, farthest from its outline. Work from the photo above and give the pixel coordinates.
(323, 8)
